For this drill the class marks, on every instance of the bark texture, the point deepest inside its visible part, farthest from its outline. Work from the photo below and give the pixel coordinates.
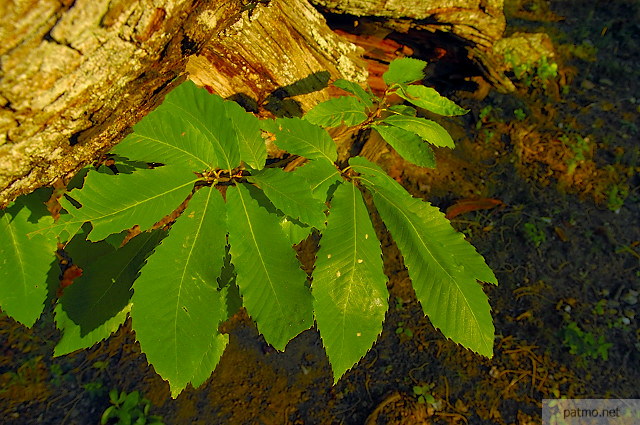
(480, 21)
(75, 76)
(477, 23)
(279, 58)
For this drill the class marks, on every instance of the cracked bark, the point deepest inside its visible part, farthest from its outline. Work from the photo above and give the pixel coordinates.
(478, 24)
(76, 75)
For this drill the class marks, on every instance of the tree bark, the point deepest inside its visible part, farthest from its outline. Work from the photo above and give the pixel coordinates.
(76, 75)
(280, 58)
(479, 21)
(478, 24)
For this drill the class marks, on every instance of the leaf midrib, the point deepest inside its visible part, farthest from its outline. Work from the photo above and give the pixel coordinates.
(182, 278)
(205, 127)
(288, 196)
(406, 217)
(257, 246)
(315, 148)
(15, 244)
(174, 147)
(81, 221)
(413, 227)
(353, 269)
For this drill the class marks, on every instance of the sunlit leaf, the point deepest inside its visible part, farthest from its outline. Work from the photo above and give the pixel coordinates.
(176, 302)
(429, 99)
(115, 203)
(320, 175)
(442, 265)
(253, 150)
(167, 138)
(74, 339)
(98, 301)
(207, 113)
(428, 130)
(300, 137)
(268, 274)
(404, 110)
(25, 261)
(349, 287)
(409, 145)
(197, 165)
(334, 112)
(294, 230)
(404, 70)
(104, 289)
(365, 97)
(291, 194)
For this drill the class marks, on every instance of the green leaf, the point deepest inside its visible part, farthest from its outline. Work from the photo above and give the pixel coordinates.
(124, 417)
(207, 113)
(176, 302)
(253, 150)
(73, 339)
(116, 239)
(99, 300)
(196, 130)
(227, 281)
(320, 175)
(103, 267)
(403, 110)
(211, 356)
(291, 194)
(429, 99)
(334, 112)
(294, 230)
(84, 252)
(349, 287)
(168, 138)
(268, 274)
(428, 130)
(404, 70)
(355, 89)
(25, 262)
(442, 265)
(115, 203)
(107, 414)
(131, 401)
(409, 145)
(64, 229)
(300, 137)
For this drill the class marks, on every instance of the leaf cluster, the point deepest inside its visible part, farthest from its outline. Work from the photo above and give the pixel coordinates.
(218, 223)
(128, 409)
(399, 125)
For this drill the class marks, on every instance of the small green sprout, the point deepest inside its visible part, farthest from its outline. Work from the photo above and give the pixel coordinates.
(534, 233)
(616, 195)
(580, 147)
(585, 344)
(402, 330)
(423, 393)
(128, 409)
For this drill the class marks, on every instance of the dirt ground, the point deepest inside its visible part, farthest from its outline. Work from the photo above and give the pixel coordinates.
(544, 182)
